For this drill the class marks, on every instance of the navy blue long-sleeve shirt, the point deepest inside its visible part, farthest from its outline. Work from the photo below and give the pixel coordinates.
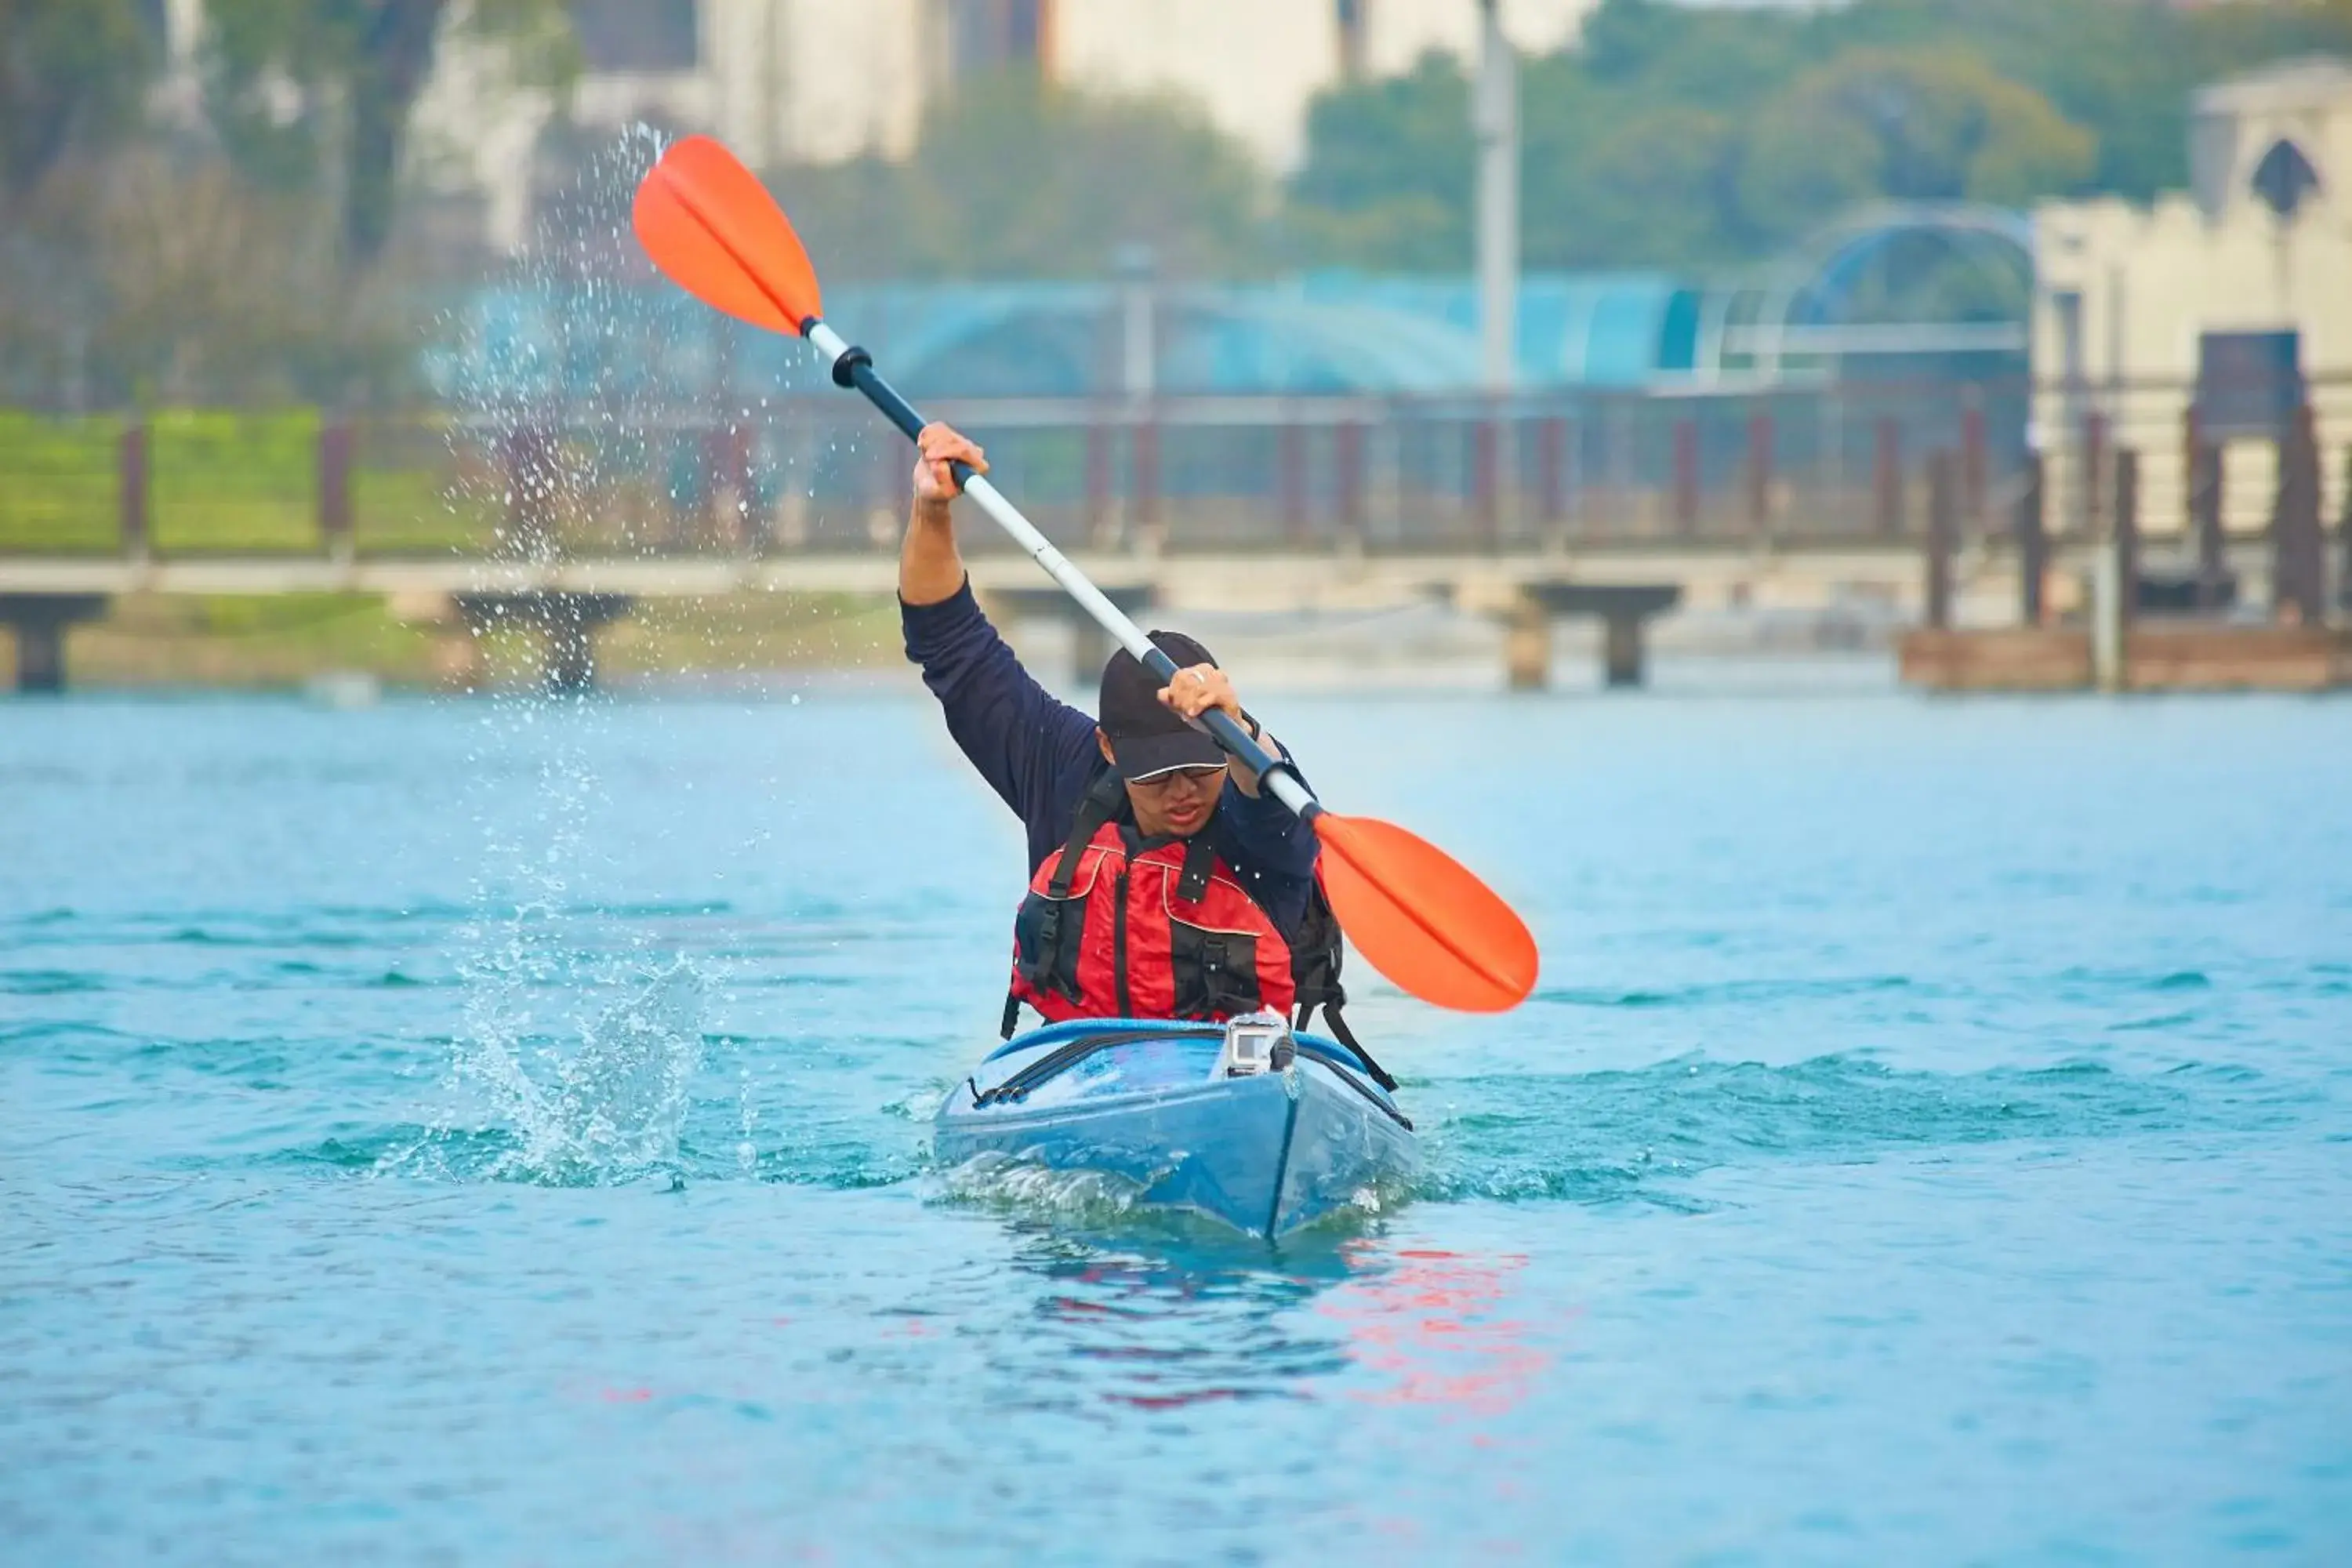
(1038, 753)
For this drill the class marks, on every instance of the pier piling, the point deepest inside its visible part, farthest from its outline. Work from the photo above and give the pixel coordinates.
(1090, 646)
(132, 492)
(1623, 609)
(2298, 549)
(567, 624)
(1943, 530)
(40, 622)
(2032, 542)
(2215, 586)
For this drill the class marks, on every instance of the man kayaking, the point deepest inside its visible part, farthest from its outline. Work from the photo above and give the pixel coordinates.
(1166, 885)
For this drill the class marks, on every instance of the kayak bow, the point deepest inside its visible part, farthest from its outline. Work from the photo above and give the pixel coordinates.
(1265, 1145)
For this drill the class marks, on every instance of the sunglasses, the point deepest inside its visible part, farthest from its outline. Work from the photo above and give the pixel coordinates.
(1201, 773)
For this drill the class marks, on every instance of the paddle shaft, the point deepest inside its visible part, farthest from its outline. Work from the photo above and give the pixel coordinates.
(854, 367)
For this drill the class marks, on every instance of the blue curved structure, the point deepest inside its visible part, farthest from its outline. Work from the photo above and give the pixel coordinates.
(1938, 286)
(1322, 334)
(1938, 289)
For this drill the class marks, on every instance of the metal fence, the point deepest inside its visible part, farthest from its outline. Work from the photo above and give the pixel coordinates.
(1759, 467)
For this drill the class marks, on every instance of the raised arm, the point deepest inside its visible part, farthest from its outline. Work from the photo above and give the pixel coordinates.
(930, 568)
(1036, 751)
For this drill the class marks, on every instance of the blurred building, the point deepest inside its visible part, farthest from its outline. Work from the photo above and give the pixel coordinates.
(800, 82)
(824, 80)
(1256, 64)
(819, 80)
(2241, 286)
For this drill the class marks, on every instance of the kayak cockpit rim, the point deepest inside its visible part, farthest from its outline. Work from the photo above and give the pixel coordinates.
(1074, 1040)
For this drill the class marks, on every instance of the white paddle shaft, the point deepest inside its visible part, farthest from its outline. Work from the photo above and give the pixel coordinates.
(853, 367)
(1110, 616)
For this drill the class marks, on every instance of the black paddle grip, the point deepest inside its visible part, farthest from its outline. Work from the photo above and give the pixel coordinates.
(856, 369)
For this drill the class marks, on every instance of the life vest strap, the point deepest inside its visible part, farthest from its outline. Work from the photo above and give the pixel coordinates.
(1057, 935)
(1103, 802)
(1346, 1037)
(1200, 860)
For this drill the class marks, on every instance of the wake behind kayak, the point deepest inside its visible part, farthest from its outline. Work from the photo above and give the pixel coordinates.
(1246, 1122)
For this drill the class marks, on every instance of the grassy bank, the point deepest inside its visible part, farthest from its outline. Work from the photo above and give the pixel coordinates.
(230, 482)
(283, 640)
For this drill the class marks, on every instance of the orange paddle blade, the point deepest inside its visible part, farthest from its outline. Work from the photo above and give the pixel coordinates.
(707, 222)
(1420, 917)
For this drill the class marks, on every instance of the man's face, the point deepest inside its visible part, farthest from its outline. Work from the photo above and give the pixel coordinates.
(1176, 805)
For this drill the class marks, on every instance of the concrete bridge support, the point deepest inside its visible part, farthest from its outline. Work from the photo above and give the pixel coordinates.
(39, 622)
(1623, 610)
(1090, 646)
(566, 623)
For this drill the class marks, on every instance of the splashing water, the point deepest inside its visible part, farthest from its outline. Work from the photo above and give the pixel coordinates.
(597, 412)
(583, 1038)
(1003, 1183)
(610, 1107)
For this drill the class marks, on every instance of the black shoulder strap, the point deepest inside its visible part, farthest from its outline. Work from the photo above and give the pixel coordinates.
(1104, 800)
(1315, 957)
(1314, 953)
(1346, 1037)
(1200, 860)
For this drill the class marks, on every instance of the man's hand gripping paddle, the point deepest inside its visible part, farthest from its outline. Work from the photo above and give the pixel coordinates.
(1416, 913)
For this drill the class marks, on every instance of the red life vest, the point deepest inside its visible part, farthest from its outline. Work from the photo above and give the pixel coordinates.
(1117, 926)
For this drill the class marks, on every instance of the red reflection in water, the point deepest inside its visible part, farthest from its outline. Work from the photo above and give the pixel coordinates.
(1428, 1320)
(1177, 1401)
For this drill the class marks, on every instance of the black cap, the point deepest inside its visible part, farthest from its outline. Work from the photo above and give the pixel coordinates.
(1148, 738)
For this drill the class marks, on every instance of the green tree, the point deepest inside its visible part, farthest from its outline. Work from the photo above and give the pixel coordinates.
(1385, 183)
(2124, 70)
(157, 272)
(1647, 183)
(1013, 178)
(69, 70)
(304, 92)
(1912, 125)
(1686, 135)
(1701, 56)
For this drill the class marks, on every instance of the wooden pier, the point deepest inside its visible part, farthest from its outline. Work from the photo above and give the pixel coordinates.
(2172, 627)
(2158, 657)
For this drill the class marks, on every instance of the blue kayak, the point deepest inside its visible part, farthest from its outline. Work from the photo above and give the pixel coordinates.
(1247, 1122)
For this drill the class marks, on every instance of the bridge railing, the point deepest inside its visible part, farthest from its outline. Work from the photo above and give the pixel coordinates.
(1692, 466)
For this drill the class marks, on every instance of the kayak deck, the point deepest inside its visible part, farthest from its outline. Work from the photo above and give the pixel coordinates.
(1143, 1100)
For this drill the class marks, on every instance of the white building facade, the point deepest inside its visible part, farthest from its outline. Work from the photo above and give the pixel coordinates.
(826, 80)
(2131, 299)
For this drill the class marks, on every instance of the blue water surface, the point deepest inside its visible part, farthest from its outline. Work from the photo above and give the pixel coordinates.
(495, 1131)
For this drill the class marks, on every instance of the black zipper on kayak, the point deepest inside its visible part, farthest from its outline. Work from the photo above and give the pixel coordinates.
(1056, 1061)
(1118, 948)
